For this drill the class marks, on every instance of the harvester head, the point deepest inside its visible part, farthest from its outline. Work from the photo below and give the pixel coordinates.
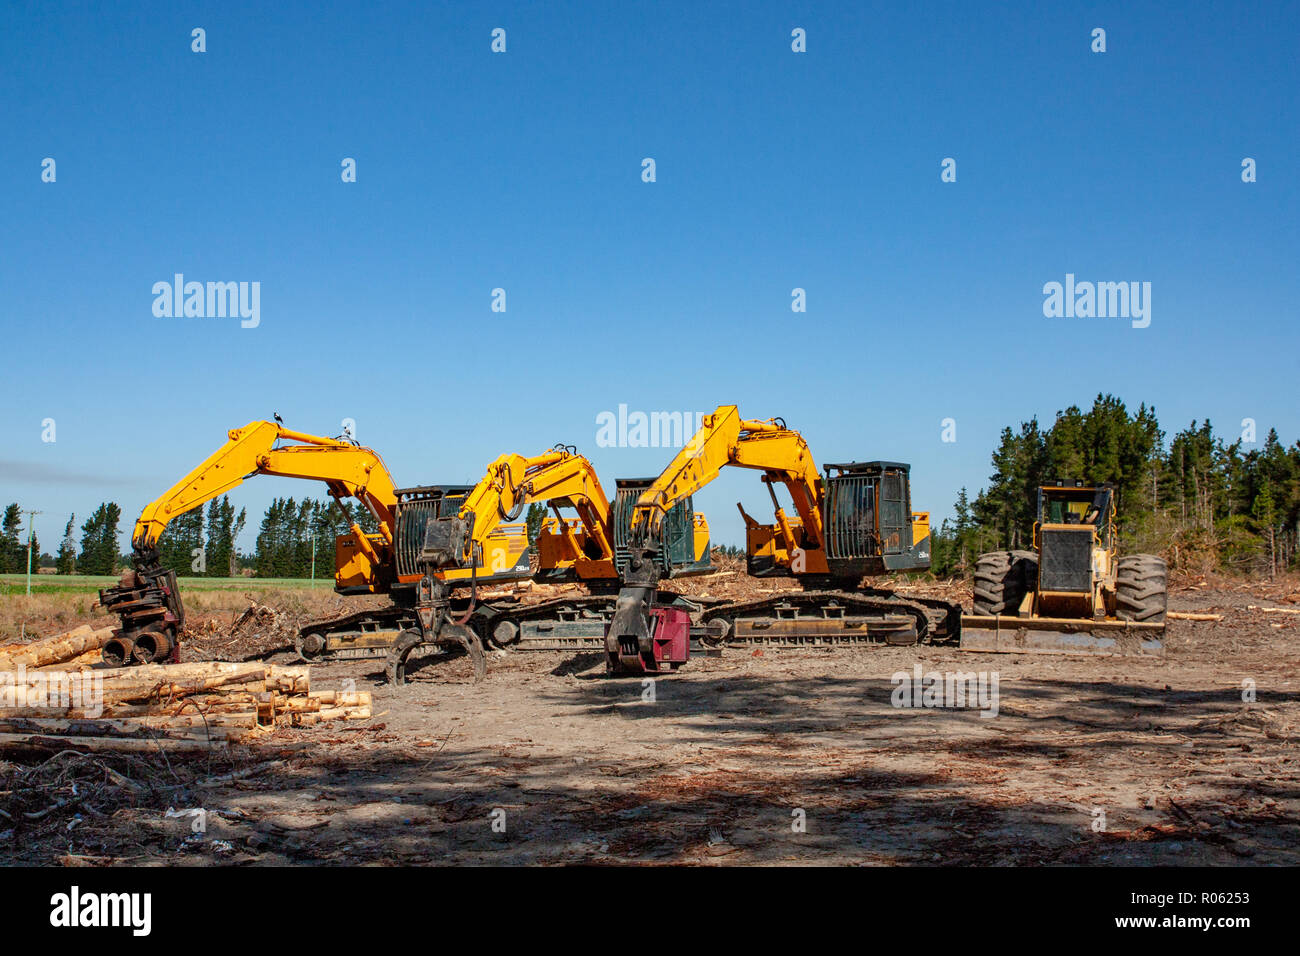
(657, 640)
(148, 603)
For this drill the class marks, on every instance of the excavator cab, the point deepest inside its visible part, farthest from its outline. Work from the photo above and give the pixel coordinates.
(683, 545)
(566, 553)
(870, 526)
(506, 556)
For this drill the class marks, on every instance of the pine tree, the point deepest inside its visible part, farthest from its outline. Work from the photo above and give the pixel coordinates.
(221, 534)
(181, 544)
(1263, 514)
(1007, 507)
(268, 540)
(533, 520)
(99, 551)
(232, 567)
(10, 545)
(89, 560)
(66, 563)
(962, 532)
(304, 542)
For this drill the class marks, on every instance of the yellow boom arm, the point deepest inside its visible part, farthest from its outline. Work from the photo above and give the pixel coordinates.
(347, 469)
(513, 481)
(727, 439)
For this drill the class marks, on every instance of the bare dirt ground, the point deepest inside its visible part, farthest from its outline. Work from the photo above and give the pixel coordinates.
(1088, 761)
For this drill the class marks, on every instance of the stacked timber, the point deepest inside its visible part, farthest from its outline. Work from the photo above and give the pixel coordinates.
(70, 705)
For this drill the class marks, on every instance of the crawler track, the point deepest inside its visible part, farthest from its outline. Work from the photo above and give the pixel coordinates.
(832, 618)
(578, 622)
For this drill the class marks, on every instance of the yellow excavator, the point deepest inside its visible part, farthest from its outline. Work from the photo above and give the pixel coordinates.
(851, 521)
(587, 550)
(148, 601)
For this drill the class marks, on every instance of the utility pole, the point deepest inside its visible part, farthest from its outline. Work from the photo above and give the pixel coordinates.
(31, 528)
(313, 559)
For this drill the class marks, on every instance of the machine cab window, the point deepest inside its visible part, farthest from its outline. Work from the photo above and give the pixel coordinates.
(1064, 505)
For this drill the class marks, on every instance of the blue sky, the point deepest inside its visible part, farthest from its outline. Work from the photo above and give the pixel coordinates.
(522, 171)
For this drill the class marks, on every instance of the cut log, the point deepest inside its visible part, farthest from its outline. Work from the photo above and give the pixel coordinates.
(341, 698)
(358, 712)
(82, 663)
(187, 705)
(128, 692)
(163, 681)
(199, 670)
(289, 680)
(7, 650)
(297, 705)
(129, 744)
(167, 727)
(54, 649)
(1188, 616)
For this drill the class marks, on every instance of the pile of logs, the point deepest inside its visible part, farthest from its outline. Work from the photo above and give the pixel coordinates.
(47, 703)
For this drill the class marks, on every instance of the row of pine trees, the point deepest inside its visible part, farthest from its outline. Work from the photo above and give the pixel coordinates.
(199, 543)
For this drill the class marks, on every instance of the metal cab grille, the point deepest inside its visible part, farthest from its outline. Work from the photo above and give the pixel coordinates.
(1066, 560)
(413, 516)
(676, 544)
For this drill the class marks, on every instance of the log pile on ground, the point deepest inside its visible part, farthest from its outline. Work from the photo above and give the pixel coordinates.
(156, 707)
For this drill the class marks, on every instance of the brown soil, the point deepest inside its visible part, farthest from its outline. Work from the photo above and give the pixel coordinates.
(729, 755)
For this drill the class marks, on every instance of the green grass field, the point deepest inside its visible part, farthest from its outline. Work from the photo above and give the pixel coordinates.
(16, 584)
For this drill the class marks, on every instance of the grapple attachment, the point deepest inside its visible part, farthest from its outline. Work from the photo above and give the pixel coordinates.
(148, 603)
(662, 644)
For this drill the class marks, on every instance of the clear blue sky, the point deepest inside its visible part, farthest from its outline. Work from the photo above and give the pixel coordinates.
(522, 170)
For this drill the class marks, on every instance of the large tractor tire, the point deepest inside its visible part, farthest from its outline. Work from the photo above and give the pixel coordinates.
(1141, 588)
(1002, 578)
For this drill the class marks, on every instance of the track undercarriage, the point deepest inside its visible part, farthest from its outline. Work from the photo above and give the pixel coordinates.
(821, 618)
(832, 618)
(575, 623)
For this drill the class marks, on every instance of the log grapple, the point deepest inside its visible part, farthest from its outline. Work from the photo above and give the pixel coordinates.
(148, 603)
